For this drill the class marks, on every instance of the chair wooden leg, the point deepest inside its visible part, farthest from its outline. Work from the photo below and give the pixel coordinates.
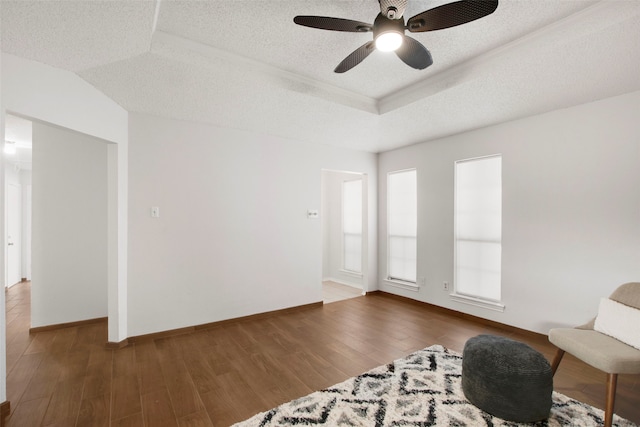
(556, 361)
(612, 381)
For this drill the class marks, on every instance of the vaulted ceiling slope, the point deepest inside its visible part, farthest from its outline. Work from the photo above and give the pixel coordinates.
(244, 64)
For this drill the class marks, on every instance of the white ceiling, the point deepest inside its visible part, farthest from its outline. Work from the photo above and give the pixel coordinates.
(244, 63)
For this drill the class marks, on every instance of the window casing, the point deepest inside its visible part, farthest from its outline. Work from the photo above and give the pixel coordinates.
(402, 221)
(478, 228)
(352, 226)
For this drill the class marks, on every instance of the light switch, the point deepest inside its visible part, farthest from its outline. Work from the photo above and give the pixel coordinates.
(312, 214)
(155, 212)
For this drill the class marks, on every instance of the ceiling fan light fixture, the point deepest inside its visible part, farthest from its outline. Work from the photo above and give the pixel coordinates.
(388, 33)
(389, 41)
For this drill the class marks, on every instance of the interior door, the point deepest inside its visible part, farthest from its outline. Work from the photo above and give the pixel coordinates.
(14, 233)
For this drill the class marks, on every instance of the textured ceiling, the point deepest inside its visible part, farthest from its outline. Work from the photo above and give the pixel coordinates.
(244, 63)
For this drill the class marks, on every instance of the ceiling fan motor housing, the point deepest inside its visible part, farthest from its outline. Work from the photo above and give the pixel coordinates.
(383, 25)
(392, 9)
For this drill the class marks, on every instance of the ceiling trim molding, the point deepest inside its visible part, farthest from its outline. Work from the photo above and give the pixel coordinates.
(301, 84)
(449, 78)
(466, 71)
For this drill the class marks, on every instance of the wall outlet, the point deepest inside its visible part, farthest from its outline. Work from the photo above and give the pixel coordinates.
(445, 286)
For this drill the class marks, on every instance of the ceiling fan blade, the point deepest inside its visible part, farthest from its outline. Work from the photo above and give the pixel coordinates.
(333, 24)
(356, 57)
(414, 54)
(451, 14)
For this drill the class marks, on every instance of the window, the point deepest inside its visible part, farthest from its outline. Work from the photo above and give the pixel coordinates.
(352, 225)
(402, 225)
(478, 228)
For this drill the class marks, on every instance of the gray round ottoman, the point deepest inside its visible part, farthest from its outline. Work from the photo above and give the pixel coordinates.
(506, 378)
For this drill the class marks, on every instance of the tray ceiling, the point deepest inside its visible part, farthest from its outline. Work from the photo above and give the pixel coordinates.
(245, 64)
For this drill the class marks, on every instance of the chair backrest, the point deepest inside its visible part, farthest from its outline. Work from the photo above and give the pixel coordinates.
(628, 294)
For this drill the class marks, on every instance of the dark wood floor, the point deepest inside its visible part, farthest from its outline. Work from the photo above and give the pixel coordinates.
(226, 374)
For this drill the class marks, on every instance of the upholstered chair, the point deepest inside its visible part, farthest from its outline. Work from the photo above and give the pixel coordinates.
(600, 350)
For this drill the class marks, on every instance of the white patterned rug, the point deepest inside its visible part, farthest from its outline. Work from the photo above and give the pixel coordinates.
(422, 389)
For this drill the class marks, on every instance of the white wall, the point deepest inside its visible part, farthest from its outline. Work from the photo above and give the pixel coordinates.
(70, 221)
(571, 210)
(25, 179)
(332, 228)
(233, 238)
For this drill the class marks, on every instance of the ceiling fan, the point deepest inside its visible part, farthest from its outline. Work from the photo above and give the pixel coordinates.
(388, 29)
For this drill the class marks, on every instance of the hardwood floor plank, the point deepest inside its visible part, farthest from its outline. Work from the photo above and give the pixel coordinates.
(124, 362)
(223, 410)
(125, 399)
(173, 368)
(158, 410)
(100, 356)
(220, 410)
(44, 379)
(94, 411)
(63, 340)
(12, 359)
(233, 399)
(22, 373)
(42, 342)
(227, 372)
(184, 395)
(97, 379)
(305, 371)
(74, 366)
(181, 388)
(197, 419)
(65, 403)
(14, 351)
(145, 351)
(96, 385)
(134, 420)
(270, 387)
(225, 345)
(29, 413)
(218, 362)
(166, 349)
(150, 376)
(330, 373)
(202, 374)
(84, 339)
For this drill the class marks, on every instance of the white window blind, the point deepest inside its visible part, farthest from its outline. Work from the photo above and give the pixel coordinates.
(478, 227)
(402, 225)
(352, 225)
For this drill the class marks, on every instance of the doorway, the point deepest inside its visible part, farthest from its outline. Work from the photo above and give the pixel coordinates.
(344, 215)
(14, 234)
(18, 160)
(68, 216)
